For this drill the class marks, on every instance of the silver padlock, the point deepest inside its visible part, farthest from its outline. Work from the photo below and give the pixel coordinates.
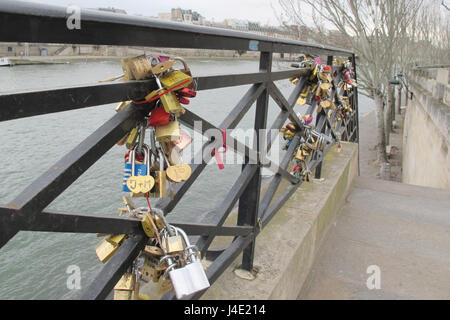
(192, 277)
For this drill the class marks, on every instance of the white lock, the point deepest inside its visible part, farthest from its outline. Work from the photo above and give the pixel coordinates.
(192, 277)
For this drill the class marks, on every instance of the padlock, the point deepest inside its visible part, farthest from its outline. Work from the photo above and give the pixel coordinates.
(148, 225)
(169, 132)
(172, 244)
(179, 172)
(151, 271)
(122, 141)
(191, 278)
(186, 92)
(183, 100)
(137, 178)
(131, 141)
(175, 79)
(186, 69)
(160, 188)
(187, 73)
(123, 290)
(162, 67)
(169, 99)
(158, 117)
(137, 68)
(108, 247)
(153, 251)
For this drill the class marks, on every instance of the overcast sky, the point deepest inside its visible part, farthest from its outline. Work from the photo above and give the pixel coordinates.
(253, 10)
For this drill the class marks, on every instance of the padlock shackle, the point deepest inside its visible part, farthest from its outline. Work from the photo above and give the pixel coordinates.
(186, 67)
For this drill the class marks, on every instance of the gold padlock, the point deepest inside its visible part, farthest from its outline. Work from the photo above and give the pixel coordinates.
(175, 79)
(151, 271)
(122, 141)
(169, 132)
(131, 141)
(173, 244)
(147, 225)
(108, 247)
(137, 68)
(160, 188)
(124, 288)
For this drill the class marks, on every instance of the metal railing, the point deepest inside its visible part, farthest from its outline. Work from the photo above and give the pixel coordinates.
(27, 22)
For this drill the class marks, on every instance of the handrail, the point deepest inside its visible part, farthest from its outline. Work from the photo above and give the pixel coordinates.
(98, 27)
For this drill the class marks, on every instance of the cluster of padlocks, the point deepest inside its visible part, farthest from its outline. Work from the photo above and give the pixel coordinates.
(150, 169)
(318, 89)
(169, 260)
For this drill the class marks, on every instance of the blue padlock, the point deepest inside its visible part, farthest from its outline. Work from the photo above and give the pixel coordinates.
(139, 169)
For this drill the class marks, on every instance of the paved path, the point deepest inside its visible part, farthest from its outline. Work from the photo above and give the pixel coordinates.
(402, 229)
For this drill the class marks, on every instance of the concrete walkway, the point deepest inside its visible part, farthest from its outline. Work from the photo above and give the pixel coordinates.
(402, 229)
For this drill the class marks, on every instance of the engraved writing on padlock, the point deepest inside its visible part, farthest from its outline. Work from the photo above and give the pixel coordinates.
(179, 172)
(177, 79)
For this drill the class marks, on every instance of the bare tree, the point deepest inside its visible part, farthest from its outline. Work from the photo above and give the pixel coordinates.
(372, 27)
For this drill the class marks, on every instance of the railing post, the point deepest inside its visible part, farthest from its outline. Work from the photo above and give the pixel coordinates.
(355, 106)
(318, 172)
(249, 201)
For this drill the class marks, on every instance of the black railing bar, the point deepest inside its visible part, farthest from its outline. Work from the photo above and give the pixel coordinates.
(281, 119)
(249, 200)
(9, 226)
(285, 174)
(277, 124)
(233, 80)
(213, 253)
(165, 34)
(278, 97)
(17, 105)
(223, 210)
(57, 221)
(271, 190)
(236, 115)
(40, 193)
(113, 270)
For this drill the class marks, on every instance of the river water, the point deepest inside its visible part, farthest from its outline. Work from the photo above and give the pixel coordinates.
(33, 265)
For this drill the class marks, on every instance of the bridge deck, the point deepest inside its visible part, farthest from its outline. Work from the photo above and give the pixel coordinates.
(401, 228)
